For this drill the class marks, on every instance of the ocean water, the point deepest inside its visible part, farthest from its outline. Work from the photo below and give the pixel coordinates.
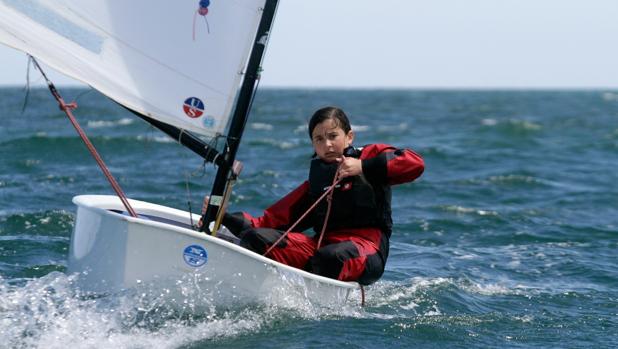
(509, 239)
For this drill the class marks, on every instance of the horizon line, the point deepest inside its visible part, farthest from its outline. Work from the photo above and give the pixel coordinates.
(375, 88)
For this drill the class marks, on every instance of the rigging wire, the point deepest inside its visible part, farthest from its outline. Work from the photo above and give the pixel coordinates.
(76, 99)
(189, 199)
(27, 86)
(199, 172)
(67, 109)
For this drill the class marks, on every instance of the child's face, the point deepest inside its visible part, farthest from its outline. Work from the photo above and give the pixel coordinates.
(329, 140)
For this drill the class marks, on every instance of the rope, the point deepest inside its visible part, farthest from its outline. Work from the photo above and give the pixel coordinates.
(189, 198)
(67, 110)
(27, 87)
(329, 198)
(328, 192)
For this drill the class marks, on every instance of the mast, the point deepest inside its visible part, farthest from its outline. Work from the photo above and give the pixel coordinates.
(241, 113)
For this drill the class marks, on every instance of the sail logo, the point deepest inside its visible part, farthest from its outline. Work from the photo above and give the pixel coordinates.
(195, 256)
(209, 121)
(193, 107)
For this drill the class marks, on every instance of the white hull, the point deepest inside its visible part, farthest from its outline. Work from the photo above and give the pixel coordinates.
(112, 252)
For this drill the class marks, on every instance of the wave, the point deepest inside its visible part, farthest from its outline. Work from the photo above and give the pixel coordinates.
(609, 96)
(389, 129)
(356, 128)
(51, 312)
(508, 179)
(512, 124)
(469, 210)
(301, 129)
(59, 146)
(36, 225)
(108, 123)
(361, 128)
(261, 126)
(284, 145)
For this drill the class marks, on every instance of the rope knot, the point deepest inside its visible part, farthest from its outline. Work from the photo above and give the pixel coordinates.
(67, 106)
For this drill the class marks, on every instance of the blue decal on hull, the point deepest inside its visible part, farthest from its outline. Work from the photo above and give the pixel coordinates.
(195, 256)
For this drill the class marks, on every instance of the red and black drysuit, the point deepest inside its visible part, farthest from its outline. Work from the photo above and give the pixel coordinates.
(356, 241)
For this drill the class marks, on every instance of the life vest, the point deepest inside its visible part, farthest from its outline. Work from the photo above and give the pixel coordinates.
(356, 203)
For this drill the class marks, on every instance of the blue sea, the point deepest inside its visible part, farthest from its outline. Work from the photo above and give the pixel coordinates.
(508, 240)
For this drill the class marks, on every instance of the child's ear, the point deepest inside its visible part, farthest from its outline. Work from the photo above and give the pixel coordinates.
(350, 138)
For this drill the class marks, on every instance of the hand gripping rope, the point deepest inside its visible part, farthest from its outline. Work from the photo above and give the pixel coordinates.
(66, 108)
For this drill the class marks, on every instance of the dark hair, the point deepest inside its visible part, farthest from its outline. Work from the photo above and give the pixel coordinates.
(333, 113)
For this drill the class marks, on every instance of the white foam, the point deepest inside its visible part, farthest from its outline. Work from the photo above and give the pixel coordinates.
(360, 128)
(466, 210)
(488, 289)
(389, 128)
(49, 313)
(156, 139)
(525, 124)
(279, 144)
(261, 126)
(609, 96)
(105, 123)
(489, 122)
(301, 129)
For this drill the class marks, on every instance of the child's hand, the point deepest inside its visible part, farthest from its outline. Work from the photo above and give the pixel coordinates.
(205, 204)
(349, 167)
(204, 207)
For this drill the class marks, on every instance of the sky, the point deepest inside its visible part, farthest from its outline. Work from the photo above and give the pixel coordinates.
(429, 44)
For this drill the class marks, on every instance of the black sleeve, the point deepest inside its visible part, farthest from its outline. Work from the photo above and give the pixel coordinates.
(235, 222)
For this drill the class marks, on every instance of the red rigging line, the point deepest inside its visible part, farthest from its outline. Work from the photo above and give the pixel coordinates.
(329, 196)
(67, 110)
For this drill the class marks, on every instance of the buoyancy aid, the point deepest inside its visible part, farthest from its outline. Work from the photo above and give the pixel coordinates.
(357, 203)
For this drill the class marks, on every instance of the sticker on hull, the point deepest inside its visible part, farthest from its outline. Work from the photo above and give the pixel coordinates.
(195, 256)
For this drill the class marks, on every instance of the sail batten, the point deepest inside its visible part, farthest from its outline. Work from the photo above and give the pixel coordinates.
(153, 57)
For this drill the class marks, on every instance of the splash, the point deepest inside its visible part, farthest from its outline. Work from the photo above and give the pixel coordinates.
(51, 312)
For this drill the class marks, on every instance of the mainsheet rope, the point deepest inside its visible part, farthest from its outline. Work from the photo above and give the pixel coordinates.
(329, 193)
(67, 110)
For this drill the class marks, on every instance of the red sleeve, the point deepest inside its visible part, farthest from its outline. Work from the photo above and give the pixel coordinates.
(284, 212)
(386, 164)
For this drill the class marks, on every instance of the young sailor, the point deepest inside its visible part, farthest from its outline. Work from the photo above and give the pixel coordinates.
(356, 240)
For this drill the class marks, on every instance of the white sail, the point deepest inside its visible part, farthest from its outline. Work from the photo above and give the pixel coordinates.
(178, 61)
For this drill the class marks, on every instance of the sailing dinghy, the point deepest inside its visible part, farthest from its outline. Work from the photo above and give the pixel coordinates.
(190, 68)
